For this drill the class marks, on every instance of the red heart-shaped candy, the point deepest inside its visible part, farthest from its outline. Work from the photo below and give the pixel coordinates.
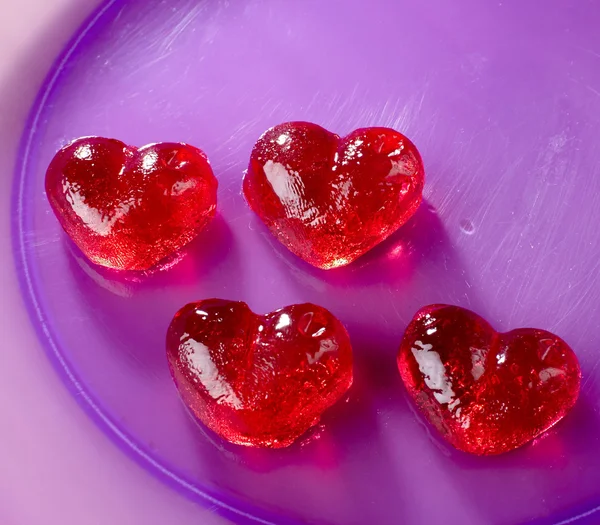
(128, 208)
(486, 392)
(330, 199)
(258, 380)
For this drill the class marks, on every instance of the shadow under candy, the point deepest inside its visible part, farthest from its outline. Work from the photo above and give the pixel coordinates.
(127, 306)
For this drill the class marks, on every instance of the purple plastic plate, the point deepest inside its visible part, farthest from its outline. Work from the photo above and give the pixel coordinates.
(503, 100)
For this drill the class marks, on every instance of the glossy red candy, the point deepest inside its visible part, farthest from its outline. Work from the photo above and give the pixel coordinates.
(486, 392)
(129, 208)
(258, 380)
(330, 199)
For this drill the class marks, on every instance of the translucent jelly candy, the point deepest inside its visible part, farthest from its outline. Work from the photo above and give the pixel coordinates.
(129, 208)
(486, 392)
(330, 199)
(258, 380)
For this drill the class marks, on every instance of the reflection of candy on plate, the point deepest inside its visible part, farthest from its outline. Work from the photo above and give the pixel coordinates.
(258, 380)
(330, 199)
(129, 208)
(486, 392)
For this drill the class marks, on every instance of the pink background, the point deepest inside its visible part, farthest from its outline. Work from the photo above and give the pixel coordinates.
(42, 478)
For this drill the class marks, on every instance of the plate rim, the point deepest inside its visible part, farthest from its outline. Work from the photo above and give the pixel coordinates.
(244, 513)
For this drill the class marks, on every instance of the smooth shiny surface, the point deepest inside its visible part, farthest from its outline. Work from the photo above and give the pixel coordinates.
(508, 229)
(258, 380)
(328, 199)
(486, 392)
(129, 208)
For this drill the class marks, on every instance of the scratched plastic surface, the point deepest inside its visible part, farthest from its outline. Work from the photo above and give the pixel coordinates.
(502, 100)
